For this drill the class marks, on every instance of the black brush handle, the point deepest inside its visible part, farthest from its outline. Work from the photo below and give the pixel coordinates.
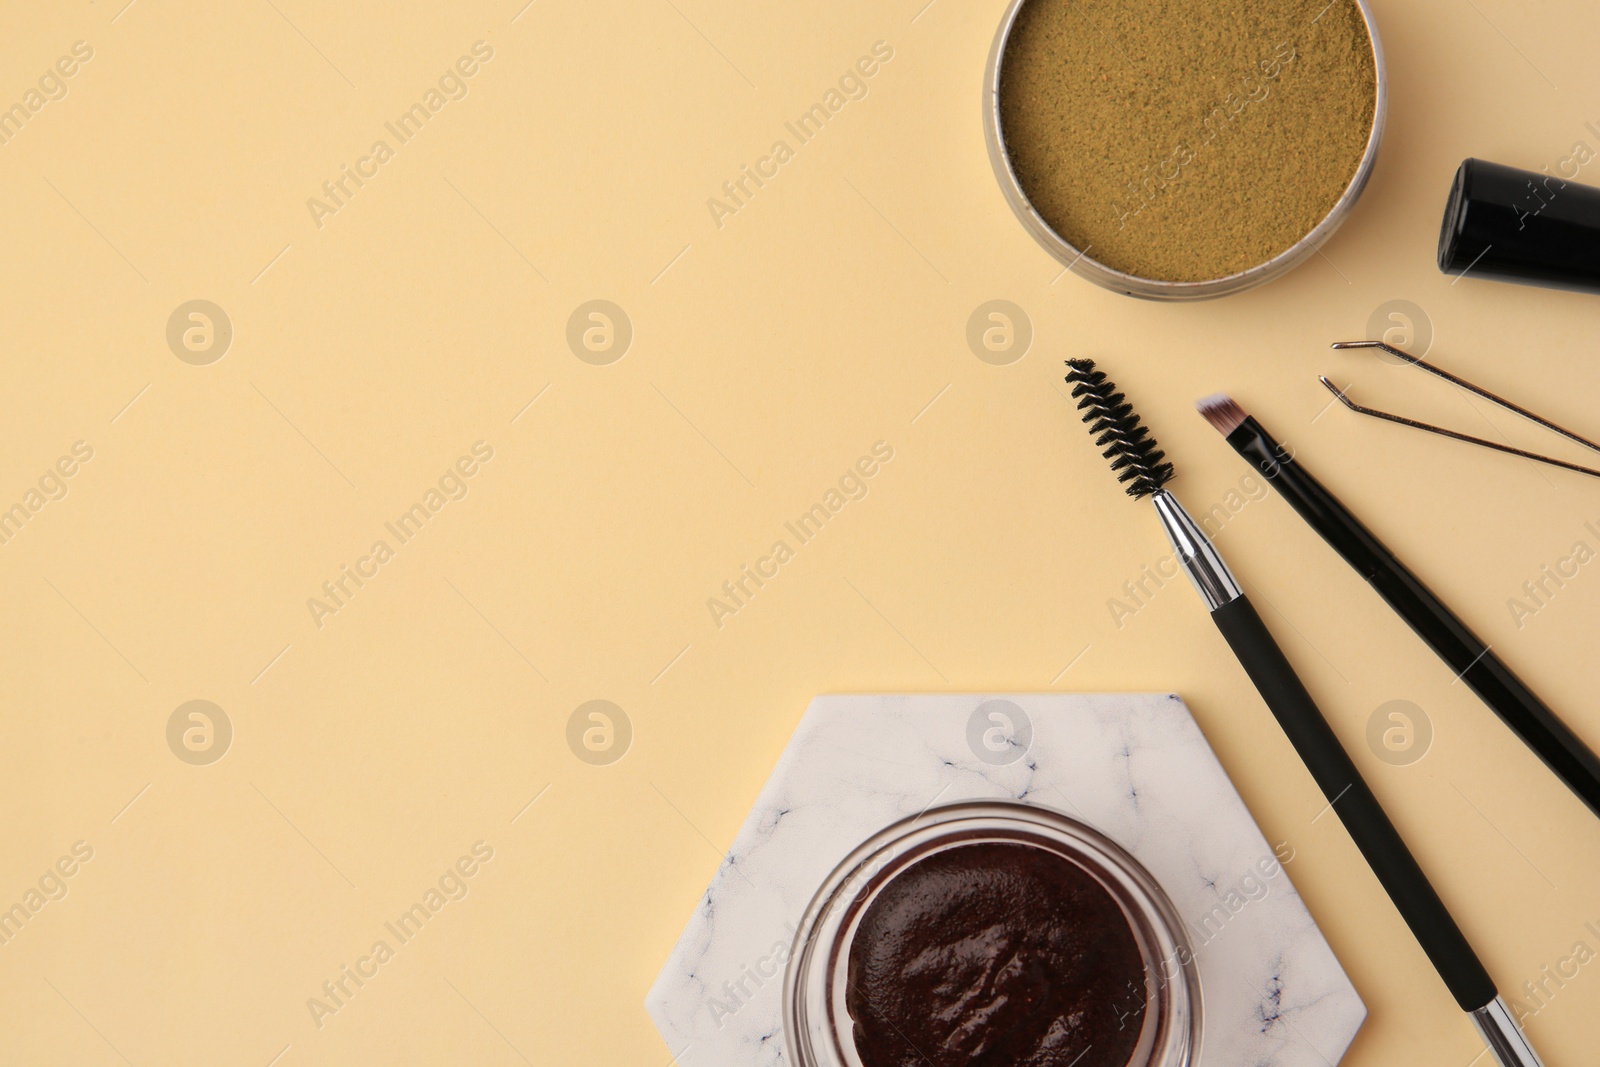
(1563, 751)
(1353, 802)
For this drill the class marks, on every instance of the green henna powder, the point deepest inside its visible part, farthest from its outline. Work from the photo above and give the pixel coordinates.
(1185, 140)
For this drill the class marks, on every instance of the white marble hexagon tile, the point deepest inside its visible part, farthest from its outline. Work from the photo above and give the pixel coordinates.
(1135, 766)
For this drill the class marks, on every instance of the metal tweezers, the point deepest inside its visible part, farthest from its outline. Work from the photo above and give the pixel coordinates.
(1417, 361)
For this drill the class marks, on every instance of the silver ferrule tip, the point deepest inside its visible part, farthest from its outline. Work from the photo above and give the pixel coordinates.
(1499, 1030)
(1210, 576)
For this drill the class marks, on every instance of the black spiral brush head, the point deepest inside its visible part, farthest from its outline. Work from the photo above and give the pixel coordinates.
(1139, 464)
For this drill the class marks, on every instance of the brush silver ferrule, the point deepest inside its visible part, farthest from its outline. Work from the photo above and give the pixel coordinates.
(1211, 577)
(1499, 1030)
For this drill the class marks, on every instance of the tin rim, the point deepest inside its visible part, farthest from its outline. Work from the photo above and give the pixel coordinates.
(1085, 266)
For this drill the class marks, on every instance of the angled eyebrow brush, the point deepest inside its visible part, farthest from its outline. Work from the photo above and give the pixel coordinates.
(1472, 660)
(1144, 471)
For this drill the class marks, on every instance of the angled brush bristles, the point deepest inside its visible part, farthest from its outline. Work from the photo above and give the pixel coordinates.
(1221, 412)
(1139, 464)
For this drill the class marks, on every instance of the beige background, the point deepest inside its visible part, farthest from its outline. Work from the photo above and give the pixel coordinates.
(829, 313)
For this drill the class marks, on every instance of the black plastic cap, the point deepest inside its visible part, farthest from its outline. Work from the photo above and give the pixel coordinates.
(1521, 226)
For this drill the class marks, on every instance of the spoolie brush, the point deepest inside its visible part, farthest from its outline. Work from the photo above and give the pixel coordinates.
(1144, 471)
(1132, 451)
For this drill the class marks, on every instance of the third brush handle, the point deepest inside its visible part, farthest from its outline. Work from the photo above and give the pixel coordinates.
(1380, 843)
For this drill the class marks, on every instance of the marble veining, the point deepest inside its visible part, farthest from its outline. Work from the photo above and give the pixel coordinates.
(1134, 766)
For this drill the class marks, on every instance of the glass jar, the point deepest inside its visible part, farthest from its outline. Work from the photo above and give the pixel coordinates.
(817, 1027)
